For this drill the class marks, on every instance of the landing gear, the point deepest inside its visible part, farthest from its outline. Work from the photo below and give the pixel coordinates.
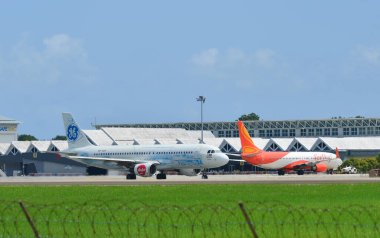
(131, 176)
(330, 171)
(161, 176)
(204, 174)
(281, 172)
(300, 172)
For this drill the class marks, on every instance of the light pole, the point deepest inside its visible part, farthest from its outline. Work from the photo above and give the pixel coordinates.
(202, 100)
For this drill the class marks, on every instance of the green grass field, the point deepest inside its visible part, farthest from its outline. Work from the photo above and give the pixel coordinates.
(339, 210)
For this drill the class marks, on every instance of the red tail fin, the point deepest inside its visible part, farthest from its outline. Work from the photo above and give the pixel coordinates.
(337, 153)
(247, 145)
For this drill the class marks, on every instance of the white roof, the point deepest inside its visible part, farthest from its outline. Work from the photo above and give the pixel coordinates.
(145, 142)
(187, 140)
(4, 148)
(125, 134)
(213, 141)
(166, 141)
(197, 134)
(353, 143)
(233, 142)
(98, 137)
(59, 144)
(21, 146)
(125, 142)
(39, 145)
(283, 143)
(307, 142)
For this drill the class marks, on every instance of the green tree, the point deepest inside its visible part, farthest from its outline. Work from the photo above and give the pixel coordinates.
(59, 137)
(25, 137)
(249, 117)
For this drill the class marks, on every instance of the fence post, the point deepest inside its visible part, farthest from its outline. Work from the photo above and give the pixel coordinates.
(248, 220)
(31, 223)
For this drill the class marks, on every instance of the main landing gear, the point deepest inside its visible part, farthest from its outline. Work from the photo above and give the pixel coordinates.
(330, 171)
(161, 176)
(300, 172)
(204, 174)
(281, 172)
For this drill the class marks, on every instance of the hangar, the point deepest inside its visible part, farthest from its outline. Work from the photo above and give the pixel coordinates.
(24, 157)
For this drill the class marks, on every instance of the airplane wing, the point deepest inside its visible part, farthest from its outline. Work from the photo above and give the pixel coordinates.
(128, 163)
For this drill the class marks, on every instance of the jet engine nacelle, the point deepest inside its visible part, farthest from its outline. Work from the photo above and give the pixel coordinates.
(319, 168)
(189, 172)
(145, 170)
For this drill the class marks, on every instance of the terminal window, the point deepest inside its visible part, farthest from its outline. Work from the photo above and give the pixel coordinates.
(269, 133)
(377, 131)
(303, 132)
(221, 133)
(361, 130)
(327, 131)
(346, 131)
(285, 133)
(292, 132)
(262, 133)
(354, 131)
(236, 133)
(318, 132)
(228, 133)
(310, 132)
(334, 131)
(276, 133)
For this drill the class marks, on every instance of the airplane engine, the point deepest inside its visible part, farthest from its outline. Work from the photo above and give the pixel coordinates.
(145, 170)
(319, 168)
(189, 172)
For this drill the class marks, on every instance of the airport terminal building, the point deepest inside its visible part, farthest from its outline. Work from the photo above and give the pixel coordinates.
(342, 127)
(354, 137)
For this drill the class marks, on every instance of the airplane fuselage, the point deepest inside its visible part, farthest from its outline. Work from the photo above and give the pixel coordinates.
(288, 160)
(169, 157)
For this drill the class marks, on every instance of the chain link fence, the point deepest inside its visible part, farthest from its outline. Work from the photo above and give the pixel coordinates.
(135, 219)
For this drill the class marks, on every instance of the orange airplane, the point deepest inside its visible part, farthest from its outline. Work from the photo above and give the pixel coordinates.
(286, 161)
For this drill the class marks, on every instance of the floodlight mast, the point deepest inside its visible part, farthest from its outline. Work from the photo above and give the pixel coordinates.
(201, 99)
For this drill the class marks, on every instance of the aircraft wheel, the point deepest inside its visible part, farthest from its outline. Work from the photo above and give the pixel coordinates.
(131, 176)
(281, 172)
(300, 172)
(204, 176)
(161, 176)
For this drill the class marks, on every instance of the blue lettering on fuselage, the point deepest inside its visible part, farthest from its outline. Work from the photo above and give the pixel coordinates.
(188, 162)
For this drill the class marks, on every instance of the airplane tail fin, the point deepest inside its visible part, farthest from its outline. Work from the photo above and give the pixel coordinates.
(75, 136)
(247, 145)
(337, 153)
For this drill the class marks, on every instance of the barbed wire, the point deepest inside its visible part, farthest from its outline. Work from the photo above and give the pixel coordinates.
(137, 219)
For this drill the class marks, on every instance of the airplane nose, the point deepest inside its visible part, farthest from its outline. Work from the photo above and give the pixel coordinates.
(223, 159)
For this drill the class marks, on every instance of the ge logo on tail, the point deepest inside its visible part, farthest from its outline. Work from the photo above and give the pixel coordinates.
(72, 132)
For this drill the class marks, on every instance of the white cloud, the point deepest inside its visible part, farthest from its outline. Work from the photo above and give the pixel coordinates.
(207, 58)
(265, 57)
(63, 46)
(243, 69)
(61, 58)
(370, 55)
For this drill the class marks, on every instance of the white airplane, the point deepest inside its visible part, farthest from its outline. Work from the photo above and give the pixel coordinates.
(141, 160)
(284, 161)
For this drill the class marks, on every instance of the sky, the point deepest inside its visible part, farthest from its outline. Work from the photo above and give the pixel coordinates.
(147, 61)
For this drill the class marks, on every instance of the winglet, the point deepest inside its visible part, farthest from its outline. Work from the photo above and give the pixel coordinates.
(247, 145)
(337, 153)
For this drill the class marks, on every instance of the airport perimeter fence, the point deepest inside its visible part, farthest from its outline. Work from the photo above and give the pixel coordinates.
(134, 219)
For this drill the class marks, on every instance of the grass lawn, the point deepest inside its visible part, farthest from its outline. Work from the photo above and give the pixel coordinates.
(338, 210)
